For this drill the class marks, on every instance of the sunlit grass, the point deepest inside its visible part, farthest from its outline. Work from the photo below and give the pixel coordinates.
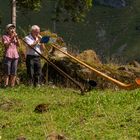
(96, 115)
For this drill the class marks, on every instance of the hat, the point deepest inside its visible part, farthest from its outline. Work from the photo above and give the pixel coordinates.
(10, 25)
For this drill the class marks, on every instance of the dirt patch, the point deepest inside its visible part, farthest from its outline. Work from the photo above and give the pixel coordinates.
(41, 108)
(55, 136)
(21, 138)
(9, 104)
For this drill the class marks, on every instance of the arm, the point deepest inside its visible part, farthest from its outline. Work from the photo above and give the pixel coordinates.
(7, 41)
(42, 46)
(30, 42)
(34, 43)
(16, 39)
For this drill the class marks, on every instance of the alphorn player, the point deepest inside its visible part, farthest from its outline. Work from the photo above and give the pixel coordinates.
(11, 43)
(33, 63)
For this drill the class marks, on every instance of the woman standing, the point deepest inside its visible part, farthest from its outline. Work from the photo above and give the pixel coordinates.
(11, 42)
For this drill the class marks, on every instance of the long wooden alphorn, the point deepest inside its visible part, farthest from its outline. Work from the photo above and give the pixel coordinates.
(57, 68)
(101, 74)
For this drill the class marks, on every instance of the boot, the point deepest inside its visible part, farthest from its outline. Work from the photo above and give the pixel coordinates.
(6, 80)
(12, 80)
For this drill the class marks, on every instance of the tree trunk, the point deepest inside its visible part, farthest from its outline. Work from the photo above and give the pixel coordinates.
(13, 17)
(54, 21)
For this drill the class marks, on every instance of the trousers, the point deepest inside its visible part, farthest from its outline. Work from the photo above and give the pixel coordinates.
(33, 65)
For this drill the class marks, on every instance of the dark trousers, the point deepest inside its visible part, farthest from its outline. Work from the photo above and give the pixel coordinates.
(33, 65)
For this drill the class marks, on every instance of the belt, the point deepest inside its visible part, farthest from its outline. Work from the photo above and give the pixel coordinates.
(33, 56)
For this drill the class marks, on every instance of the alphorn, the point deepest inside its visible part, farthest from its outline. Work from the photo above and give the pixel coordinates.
(57, 68)
(101, 74)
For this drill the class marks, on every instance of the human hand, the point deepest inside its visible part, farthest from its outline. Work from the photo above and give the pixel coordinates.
(14, 34)
(39, 36)
(37, 42)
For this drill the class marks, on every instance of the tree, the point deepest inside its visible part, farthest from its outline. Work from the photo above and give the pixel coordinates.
(29, 4)
(13, 12)
(74, 10)
(64, 10)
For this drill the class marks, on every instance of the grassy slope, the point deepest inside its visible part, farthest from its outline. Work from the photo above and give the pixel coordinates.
(119, 26)
(106, 115)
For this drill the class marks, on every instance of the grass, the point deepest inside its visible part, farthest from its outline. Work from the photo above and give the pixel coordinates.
(106, 115)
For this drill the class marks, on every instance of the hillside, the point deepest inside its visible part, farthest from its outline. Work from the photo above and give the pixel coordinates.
(111, 32)
(65, 115)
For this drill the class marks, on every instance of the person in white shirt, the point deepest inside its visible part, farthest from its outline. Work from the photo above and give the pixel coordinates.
(33, 63)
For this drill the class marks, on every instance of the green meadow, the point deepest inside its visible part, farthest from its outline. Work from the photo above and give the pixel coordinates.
(97, 115)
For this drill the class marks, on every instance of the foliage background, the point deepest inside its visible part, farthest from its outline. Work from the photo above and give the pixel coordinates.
(111, 32)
